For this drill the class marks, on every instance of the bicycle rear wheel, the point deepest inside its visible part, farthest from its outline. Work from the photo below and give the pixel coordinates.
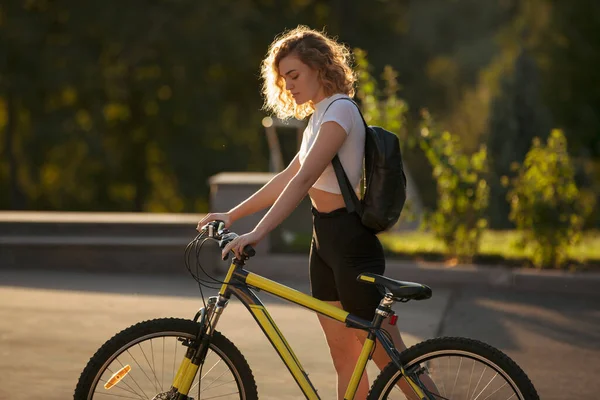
(460, 368)
(149, 353)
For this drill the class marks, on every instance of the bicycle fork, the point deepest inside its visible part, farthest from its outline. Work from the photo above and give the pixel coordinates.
(197, 349)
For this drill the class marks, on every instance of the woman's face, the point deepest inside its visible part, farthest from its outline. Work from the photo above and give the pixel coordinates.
(301, 80)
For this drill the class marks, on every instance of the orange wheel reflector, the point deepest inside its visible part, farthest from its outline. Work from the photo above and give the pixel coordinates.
(117, 376)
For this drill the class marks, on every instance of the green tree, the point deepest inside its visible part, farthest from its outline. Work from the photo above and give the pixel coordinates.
(380, 107)
(546, 204)
(463, 193)
(560, 40)
(133, 105)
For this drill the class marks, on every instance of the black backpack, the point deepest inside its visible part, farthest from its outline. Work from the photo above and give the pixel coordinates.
(385, 181)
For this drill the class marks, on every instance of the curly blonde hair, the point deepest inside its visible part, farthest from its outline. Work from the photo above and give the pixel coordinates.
(314, 49)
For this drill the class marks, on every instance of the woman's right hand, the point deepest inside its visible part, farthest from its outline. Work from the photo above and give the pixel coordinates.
(225, 217)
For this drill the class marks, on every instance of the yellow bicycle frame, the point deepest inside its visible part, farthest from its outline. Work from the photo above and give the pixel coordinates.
(281, 345)
(237, 282)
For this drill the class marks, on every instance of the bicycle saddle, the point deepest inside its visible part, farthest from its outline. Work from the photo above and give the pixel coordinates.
(399, 289)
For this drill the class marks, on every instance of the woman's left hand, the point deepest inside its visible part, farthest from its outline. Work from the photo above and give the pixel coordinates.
(237, 245)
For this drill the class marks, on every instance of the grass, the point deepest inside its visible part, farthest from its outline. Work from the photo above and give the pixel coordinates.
(496, 248)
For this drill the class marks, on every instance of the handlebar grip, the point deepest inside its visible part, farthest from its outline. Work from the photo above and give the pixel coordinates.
(228, 237)
(249, 250)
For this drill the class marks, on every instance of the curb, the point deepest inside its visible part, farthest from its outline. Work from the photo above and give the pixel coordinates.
(137, 254)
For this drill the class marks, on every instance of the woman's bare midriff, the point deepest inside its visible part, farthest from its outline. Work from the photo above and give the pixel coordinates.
(325, 201)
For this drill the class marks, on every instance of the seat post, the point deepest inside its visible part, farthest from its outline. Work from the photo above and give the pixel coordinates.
(383, 310)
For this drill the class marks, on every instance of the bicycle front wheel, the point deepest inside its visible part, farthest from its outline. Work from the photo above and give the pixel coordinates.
(148, 355)
(459, 368)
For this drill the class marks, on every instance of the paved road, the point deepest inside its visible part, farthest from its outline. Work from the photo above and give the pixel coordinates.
(554, 338)
(52, 322)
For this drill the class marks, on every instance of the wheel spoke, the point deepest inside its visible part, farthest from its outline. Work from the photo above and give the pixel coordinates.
(470, 379)
(219, 395)
(496, 391)
(120, 387)
(200, 376)
(456, 378)
(219, 385)
(457, 373)
(162, 377)
(214, 380)
(218, 377)
(486, 386)
(118, 395)
(211, 368)
(158, 384)
(155, 383)
(479, 381)
(143, 395)
(174, 358)
(142, 369)
(443, 387)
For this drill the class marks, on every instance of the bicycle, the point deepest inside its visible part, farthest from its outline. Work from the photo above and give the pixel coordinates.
(114, 371)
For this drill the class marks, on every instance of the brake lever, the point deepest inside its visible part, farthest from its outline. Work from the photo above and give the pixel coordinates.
(225, 234)
(228, 237)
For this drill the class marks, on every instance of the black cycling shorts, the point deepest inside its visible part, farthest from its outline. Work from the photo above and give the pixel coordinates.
(342, 248)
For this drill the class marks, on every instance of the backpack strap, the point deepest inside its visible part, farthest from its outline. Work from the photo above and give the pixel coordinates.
(350, 197)
(353, 102)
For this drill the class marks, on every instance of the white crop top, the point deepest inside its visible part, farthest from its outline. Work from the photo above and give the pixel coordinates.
(351, 154)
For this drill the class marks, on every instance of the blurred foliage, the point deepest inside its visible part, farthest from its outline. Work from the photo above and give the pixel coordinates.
(381, 107)
(125, 106)
(546, 205)
(132, 106)
(463, 193)
(496, 248)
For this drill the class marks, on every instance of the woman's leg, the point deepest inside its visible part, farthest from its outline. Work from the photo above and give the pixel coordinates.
(345, 348)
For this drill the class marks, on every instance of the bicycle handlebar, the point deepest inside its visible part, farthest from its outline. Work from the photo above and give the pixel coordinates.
(216, 230)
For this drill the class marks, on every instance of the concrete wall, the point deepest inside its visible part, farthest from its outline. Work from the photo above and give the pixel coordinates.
(137, 243)
(95, 241)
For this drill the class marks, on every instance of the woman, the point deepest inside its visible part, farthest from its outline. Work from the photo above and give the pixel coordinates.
(303, 73)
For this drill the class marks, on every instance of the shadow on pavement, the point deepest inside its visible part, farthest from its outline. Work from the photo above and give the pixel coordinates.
(155, 284)
(495, 314)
